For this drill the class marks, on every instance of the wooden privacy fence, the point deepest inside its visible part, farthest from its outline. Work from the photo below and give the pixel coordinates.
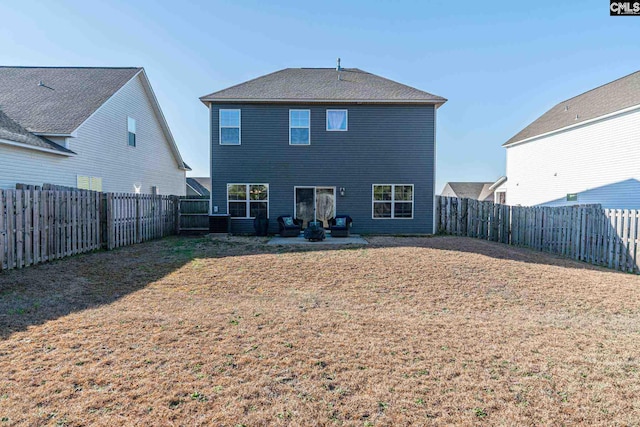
(43, 225)
(136, 218)
(604, 237)
(194, 214)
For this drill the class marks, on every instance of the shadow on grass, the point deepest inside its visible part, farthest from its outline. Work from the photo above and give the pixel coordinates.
(44, 292)
(37, 294)
(491, 249)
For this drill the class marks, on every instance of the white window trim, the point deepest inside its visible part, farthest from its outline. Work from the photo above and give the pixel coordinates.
(134, 132)
(230, 127)
(393, 201)
(299, 127)
(346, 112)
(248, 200)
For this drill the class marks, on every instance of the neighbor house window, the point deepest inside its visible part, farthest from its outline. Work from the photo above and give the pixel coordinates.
(393, 201)
(92, 183)
(131, 125)
(299, 127)
(230, 127)
(337, 120)
(247, 200)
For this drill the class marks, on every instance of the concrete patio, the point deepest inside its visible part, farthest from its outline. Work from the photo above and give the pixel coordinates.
(354, 239)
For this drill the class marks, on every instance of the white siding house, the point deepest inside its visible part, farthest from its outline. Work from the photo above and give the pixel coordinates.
(585, 150)
(98, 152)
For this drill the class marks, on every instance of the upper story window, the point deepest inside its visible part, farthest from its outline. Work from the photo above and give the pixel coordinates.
(131, 125)
(393, 201)
(337, 120)
(299, 127)
(230, 127)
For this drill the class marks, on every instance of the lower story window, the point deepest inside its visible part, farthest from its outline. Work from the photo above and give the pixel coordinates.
(247, 200)
(393, 201)
(92, 183)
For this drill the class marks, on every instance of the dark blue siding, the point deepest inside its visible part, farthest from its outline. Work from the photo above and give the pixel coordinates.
(384, 145)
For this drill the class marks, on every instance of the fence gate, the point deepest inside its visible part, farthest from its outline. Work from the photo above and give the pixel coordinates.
(194, 214)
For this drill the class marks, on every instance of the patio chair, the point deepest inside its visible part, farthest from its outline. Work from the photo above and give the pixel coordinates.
(289, 226)
(340, 225)
(314, 231)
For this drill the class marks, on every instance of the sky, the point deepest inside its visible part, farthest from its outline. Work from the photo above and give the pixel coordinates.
(499, 64)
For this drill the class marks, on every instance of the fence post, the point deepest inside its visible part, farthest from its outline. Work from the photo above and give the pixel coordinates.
(3, 231)
(138, 220)
(110, 226)
(176, 215)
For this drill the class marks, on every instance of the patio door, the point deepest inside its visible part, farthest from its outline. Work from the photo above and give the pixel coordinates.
(315, 203)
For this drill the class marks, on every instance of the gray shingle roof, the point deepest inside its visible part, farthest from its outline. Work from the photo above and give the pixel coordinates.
(471, 190)
(12, 131)
(605, 99)
(322, 84)
(69, 95)
(198, 184)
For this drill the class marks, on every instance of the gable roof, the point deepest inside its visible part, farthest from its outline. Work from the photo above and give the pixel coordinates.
(13, 134)
(197, 184)
(66, 98)
(471, 190)
(58, 100)
(323, 85)
(611, 97)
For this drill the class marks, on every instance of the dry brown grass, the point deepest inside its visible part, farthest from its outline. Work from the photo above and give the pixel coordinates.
(406, 331)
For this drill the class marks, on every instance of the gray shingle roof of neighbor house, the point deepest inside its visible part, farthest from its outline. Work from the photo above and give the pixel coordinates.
(471, 190)
(198, 185)
(12, 131)
(323, 84)
(608, 98)
(56, 100)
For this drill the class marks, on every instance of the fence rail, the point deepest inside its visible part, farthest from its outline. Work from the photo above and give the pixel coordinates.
(604, 237)
(42, 225)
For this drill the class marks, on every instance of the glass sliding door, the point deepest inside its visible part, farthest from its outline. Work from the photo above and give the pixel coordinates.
(315, 203)
(305, 201)
(325, 204)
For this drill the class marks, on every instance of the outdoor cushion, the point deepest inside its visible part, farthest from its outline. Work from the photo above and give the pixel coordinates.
(341, 222)
(288, 221)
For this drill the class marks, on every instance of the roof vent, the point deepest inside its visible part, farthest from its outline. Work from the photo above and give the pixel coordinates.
(577, 117)
(41, 84)
(566, 108)
(338, 67)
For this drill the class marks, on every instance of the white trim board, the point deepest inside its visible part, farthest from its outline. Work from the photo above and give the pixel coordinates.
(35, 148)
(321, 101)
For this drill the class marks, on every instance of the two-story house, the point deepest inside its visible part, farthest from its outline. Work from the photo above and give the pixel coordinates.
(584, 150)
(316, 142)
(92, 128)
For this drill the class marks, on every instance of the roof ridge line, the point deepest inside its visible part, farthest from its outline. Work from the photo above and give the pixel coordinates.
(70, 66)
(598, 87)
(238, 84)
